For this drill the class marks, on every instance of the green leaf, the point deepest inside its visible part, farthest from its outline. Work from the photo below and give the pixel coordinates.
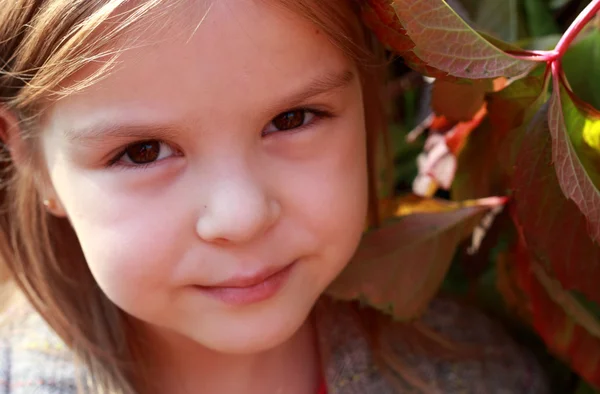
(499, 18)
(543, 43)
(585, 388)
(575, 129)
(581, 64)
(539, 18)
(444, 41)
(591, 306)
(554, 4)
(471, 6)
(400, 267)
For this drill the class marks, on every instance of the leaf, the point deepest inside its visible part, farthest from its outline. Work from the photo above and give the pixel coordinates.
(539, 18)
(581, 64)
(508, 282)
(488, 157)
(381, 18)
(584, 388)
(499, 18)
(554, 4)
(568, 302)
(458, 102)
(551, 225)
(411, 204)
(562, 263)
(400, 267)
(444, 41)
(575, 128)
(509, 107)
(471, 6)
(568, 329)
(478, 166)
(568, 326)
(544, 43)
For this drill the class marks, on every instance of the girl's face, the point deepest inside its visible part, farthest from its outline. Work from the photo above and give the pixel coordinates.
(222, 153)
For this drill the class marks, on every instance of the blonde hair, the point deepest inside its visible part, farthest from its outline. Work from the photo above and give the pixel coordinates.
(41, 43)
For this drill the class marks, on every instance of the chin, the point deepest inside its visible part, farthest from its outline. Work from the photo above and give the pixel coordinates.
(251, 336)
(247, 330)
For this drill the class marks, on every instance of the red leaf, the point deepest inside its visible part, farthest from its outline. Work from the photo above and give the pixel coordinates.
(444, 41)
(561, 259)
(551, 225)
(399, 268)
(457, 137)
(489, 155)
(477, 173)
(567, 328)
(509, 107)
(575, 128)
(458, 102)
(380, 17)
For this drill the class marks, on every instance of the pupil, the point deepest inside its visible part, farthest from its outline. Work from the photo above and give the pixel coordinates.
(289, 120)
(144, 152)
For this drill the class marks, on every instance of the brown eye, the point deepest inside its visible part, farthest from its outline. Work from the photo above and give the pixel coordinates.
(289, 120)
(143, 152)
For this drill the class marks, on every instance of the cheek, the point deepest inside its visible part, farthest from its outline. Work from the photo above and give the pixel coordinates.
(129, 241)
(328, 196)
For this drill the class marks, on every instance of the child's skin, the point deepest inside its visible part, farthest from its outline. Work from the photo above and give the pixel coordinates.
(228, 196)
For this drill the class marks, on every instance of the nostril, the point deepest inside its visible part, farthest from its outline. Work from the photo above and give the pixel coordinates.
(237, 211)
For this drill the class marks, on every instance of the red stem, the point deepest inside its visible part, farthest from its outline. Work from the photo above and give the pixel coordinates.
(539, 56)
(578, 24)
(556, 73)
(563, 44)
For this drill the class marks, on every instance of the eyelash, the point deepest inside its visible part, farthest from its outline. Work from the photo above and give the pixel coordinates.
(114, 162)
(319, 115)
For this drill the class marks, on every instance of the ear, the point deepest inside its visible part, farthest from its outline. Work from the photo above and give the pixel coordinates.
(11, 139)
(54, 206)
(10, 136)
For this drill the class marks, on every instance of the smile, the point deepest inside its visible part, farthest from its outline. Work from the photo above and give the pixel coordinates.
(245, 290)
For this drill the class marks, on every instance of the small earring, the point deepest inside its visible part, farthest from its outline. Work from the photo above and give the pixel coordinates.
(49, 203)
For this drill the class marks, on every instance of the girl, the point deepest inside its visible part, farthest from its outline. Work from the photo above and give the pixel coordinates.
(183, 179)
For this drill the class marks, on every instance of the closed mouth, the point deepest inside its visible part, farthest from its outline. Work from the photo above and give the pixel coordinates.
(248, 280)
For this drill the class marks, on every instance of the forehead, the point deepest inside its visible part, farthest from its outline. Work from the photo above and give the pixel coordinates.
(203, 56)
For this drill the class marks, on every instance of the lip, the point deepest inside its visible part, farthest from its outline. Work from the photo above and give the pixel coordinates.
(249, 289)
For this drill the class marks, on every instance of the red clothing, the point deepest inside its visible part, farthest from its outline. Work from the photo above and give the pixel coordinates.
(322, 388)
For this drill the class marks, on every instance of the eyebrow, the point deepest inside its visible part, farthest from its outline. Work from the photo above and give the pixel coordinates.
(107, 130)
(322, 84)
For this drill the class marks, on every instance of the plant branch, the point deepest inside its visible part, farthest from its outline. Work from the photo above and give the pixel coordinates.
(538, 56)
(578, 24)
(556, 72)
(565, 41)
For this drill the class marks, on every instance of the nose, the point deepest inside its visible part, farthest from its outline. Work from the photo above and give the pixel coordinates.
(236, 211)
